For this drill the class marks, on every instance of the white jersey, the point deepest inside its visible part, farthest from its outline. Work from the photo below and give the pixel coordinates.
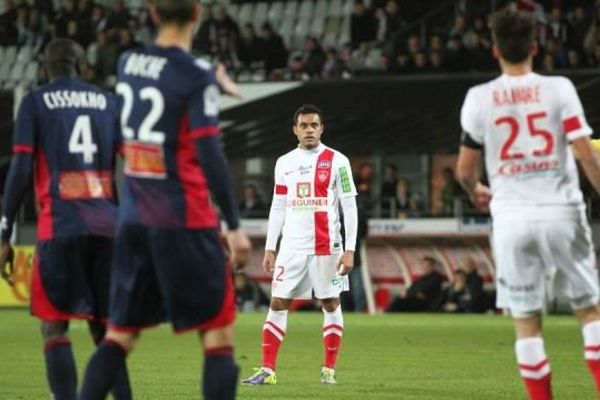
(525, 124)
(312, 181)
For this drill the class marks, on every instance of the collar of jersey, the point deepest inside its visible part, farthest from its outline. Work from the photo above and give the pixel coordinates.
(317, 149)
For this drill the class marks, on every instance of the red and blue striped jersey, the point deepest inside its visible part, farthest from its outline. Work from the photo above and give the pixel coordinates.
(170, 100)
(72, 131)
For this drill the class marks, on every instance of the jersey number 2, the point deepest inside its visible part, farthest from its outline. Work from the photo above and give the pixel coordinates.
(81, 141)
(146, 132)
(513, 124)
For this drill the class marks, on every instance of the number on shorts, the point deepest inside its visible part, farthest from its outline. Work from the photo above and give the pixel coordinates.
(278, 274)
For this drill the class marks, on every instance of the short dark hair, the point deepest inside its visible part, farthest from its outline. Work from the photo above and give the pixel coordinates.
(62, 57)
(174, 11)
(307, 109)
(513, 33)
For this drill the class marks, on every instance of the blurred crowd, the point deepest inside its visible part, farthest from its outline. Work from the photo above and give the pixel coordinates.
(386, 36)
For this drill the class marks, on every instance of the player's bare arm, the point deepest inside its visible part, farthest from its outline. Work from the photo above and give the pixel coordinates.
(467, 174)
(346, 263)
(228, 86)
(268, 263)
(240, 248)
(7, 256)
(589, 159)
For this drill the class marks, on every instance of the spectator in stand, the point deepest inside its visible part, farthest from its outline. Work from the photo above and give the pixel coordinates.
(403, 64)
(118, 16)
(362, 25)
(390, 179)
(106, 56)
(436, 43)
(364, 180)
(314, 57)
(407, 204)
(548, 63)
(424, 293)
(334, 66)
(62, 18)
(455, 55)
(226, 23)
(126, 42)
(452, 192)
(558, 27)
(435, 61)
(250, 48)
(252, 206)
(413, 46)
(459, 28)
(458, 297)
(479, 57)
(421, 65)
(99, 19)
(580, 26)
(395, 24)
(275, 53)
(248, 295)
(206, 38)
(575, 60)
(381, 25)
(592, 37)
(226, 52)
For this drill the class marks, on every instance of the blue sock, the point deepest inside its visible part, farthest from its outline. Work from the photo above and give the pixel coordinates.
(220, 374)
(121, 390)
(60, 369)
(102, 371)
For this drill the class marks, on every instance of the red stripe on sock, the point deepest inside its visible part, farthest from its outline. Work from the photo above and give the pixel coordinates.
(336, 326)
(278, 329)
(219, 351)
(535, 367)
(49, 345)
(592, 348)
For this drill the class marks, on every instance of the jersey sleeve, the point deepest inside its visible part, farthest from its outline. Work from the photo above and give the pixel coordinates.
(571, 112)
(470, 119)
(343, 175)
(280, 186)
(26, 126)
(203, 109)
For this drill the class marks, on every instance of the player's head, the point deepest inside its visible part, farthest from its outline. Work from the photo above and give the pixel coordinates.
(175, 12)
(63, 57)
(308, 126)
(513, 32)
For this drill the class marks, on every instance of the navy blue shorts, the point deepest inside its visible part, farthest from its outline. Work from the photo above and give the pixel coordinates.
(71, 278)
(175, 275)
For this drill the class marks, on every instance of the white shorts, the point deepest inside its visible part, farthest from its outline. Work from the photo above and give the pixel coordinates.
(537, 260)
(297, 275)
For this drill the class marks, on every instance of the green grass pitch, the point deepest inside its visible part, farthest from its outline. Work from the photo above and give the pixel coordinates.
(383, 357)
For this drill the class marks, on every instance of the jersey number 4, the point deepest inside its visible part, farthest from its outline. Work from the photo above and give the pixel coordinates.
(81, 140)
(513, 124)
(146, 132)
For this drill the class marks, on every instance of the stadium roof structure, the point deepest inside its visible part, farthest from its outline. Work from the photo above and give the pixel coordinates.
(386, 115)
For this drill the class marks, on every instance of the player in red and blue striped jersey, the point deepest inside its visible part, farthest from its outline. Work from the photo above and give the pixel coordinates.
(67, 135)
(169, 263)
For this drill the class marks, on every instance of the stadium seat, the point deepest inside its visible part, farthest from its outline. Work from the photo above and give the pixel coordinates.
(306, 9)
(335, 8)
(1, 54)
(5, 71)
(31, 72)
(233, 10)
(291, 7)
(246, 13)
(329, 39)
(10, 54)
(16, 73)
(348, 7)
(24, 55)
(321, 8)
(317, 27)
(300, 32)
(260, 14)
(275, 14)
(286, 30)
(344, 33)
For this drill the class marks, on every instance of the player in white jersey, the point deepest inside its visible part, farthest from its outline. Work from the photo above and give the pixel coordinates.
(526, 122)
(312, 182)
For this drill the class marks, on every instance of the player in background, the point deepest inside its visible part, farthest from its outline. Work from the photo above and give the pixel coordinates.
(526, 122)
(169, 262)
(311, 183)
(68, 133)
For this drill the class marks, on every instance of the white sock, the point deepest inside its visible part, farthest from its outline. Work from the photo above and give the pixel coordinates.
(333, 322)
(591, 340)
(531, 357)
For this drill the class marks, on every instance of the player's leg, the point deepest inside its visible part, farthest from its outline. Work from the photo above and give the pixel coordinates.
(520, 251)
(60, 364)
(328, 286)
(220, 371)
(531, 356)
(100, 257)
(290, 280)
(589, 318)
(106, 363)
(333, 328)
(122, 388)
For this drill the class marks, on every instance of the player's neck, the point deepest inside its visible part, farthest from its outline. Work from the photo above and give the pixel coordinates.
(309, 148)
(515, 69)
(175, 36)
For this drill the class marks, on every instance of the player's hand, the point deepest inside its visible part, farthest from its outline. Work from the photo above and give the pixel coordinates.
(240, 247)
(7, 256)
(227, 84)
(268, 263)
(481, 197)
(345, 263)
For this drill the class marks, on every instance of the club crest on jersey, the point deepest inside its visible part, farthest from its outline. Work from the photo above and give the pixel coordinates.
(303, 189)
(323, 175)
(326, 164)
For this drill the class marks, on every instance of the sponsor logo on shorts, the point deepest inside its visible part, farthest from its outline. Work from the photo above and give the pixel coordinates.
(516, 288)
(337, 281)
